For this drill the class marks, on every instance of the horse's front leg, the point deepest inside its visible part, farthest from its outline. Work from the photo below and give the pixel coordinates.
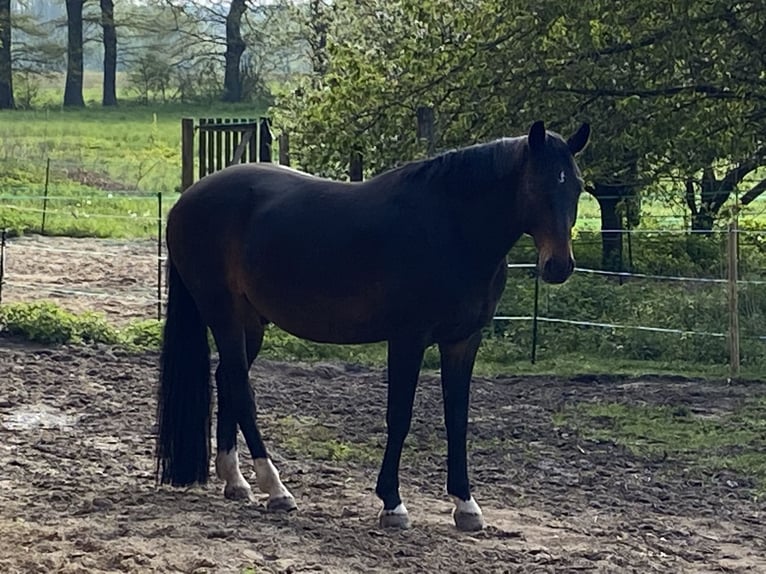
(404, 361)
(457, 361)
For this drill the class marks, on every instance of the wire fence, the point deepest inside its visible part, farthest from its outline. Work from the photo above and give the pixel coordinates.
(128, 280)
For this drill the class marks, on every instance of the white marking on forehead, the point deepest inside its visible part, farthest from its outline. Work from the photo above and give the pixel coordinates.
(562, 177)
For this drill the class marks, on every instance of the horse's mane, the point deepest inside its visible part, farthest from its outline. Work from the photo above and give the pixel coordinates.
(464, 168)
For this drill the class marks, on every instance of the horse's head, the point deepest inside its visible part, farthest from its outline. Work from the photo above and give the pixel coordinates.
(551, 190)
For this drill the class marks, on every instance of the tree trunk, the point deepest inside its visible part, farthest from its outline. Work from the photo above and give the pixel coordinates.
(608, 198)
(109, 97)
(235, 47)
(715, 192)
(74, 66)
(6, 67)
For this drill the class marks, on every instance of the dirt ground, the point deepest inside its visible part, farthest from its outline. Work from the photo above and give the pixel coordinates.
(115, 277)
(77, 489)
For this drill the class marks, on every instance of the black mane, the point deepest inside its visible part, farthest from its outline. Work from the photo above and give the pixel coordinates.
(464, 168)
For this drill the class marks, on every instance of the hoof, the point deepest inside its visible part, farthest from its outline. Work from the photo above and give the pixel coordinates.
(397, 518)
(237, 492)
(468, 522)
(281, 504)
(467, 515)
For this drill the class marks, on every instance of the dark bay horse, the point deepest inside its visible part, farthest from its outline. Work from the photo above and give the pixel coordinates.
(414, 257)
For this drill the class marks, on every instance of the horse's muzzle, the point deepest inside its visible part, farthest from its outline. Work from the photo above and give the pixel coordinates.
(556, 270)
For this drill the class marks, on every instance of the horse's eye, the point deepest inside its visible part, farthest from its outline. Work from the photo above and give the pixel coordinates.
(562, 177)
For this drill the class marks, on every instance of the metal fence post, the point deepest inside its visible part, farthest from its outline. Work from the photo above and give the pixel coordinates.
(159, 256)
(3, 235)
(45, 194)
(535, 313)
(733, 274)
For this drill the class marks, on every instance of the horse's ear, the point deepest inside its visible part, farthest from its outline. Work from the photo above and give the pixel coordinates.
(579, 140)
(536, 137)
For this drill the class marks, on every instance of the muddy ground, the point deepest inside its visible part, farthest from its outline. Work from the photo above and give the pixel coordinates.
(77, 489)
(118, 278)
(77, 492)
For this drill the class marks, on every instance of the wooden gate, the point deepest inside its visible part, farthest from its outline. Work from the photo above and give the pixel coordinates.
(222, 142)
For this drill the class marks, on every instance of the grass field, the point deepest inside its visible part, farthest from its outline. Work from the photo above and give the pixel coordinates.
(106, 166)
(102, 159)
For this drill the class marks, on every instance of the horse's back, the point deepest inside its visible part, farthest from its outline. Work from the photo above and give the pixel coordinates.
(247, 185)
(328, 261)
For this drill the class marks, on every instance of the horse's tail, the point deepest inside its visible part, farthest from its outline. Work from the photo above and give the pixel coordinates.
(183, 399)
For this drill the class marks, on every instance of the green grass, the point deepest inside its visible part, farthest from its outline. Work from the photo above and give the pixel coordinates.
(78, 210)
(47, 323)
(106, 166)
(307, 437)
(503, 355)
(136, 146)
(734, 440)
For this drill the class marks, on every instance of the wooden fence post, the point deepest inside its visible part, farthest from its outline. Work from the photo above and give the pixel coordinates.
(425, 115)
(284, 149)
(733, 275)
(3, 235)
(264, 145)
(187, 153)
(355, 167)
(535, 315)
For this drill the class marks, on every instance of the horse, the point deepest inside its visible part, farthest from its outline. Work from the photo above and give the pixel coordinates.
(415, 256)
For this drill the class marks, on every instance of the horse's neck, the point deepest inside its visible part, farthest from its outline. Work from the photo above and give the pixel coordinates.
(489, 223)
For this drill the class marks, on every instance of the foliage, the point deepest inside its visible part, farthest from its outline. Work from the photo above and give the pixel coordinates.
(45, 322)
(150, 74)
(666, 86)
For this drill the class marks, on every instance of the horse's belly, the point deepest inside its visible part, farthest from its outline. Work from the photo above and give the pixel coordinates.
(327, 327)
(365, 317)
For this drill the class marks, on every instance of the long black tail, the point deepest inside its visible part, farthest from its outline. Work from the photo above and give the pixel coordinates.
(183, 401)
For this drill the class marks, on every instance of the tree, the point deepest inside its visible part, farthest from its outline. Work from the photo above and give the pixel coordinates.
(74, 69)
(689, 75)
(6, 68)
(109, 97)
(387, 58)
(669, 89)
(235, 47)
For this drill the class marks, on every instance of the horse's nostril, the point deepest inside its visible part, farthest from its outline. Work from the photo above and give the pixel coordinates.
(548, 268)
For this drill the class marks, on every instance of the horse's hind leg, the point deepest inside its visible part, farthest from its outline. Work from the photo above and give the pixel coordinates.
(236, 355)
(266, 474)
(226, 460)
